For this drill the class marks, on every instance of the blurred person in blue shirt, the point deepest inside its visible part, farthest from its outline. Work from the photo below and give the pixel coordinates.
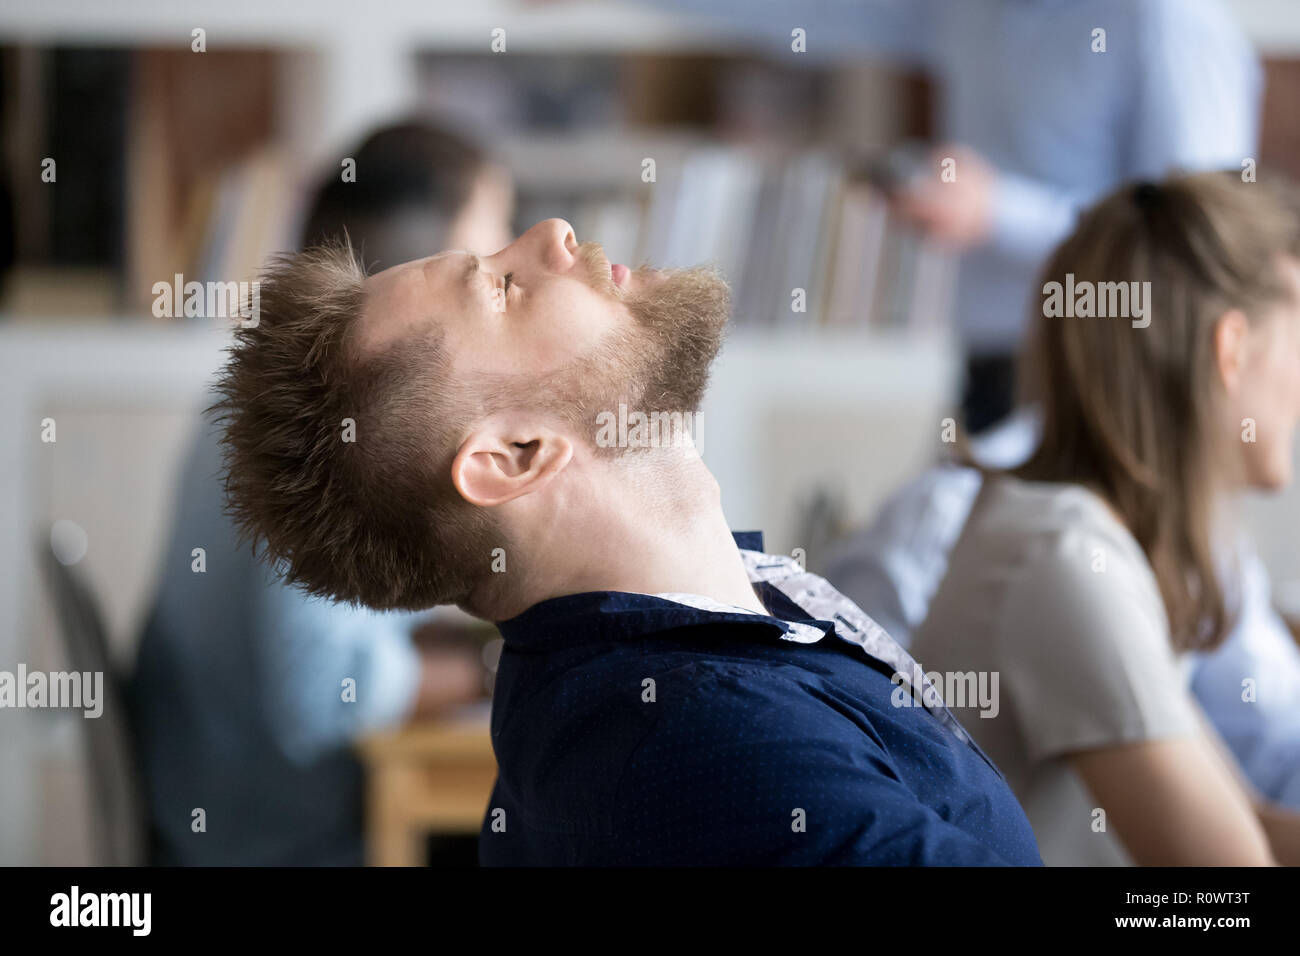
(238, 691)
(1044, 105)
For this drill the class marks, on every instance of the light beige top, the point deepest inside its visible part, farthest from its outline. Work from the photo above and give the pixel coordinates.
(1049, 592)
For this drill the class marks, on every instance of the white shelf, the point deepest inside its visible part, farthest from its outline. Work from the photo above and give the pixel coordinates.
(446, 25)
(1272, 25)
(361, 68)
(449, 25)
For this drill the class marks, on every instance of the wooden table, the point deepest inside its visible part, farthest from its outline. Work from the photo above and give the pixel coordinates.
(424, 778)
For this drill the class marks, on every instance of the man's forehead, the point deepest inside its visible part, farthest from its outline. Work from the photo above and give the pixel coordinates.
(408, 298)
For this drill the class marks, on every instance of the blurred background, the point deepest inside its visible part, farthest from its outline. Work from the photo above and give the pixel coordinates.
(171, 160)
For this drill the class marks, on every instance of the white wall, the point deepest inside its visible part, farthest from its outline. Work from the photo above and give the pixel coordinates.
(122, 397)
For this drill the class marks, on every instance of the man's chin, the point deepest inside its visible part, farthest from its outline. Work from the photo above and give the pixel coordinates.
(679, 316)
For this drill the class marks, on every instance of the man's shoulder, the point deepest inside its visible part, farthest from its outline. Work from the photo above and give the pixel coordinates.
(684, 687)
(680, 749)
(754, 688)
(769, 749)
(725, 666)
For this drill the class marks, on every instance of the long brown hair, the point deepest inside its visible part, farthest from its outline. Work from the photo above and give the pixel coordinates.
(1129, 409)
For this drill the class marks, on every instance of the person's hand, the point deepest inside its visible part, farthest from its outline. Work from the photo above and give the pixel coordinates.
(951, 199)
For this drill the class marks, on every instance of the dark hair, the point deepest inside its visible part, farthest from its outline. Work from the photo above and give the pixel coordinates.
(411, 168)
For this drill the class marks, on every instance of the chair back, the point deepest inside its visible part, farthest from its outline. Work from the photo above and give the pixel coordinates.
(116, 791)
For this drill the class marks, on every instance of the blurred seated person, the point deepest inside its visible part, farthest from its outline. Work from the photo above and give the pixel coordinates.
(1085, 576)
(247, 695)
(668, 694)
(893, 565)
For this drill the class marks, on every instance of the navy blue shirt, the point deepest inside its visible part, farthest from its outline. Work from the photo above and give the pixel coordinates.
(631, 729)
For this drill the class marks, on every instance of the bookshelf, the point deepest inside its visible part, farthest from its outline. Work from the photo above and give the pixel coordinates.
(312, 76)
(219, 149)
(448, 24)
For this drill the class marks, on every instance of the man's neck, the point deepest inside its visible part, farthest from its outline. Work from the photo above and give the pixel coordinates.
(642, 531)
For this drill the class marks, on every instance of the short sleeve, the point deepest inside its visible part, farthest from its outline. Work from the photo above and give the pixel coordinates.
(1084, 651)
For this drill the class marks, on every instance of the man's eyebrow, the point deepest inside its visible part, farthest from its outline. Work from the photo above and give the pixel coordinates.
(471, 268)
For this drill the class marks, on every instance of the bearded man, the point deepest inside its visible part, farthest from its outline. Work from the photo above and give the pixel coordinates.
(667, 694)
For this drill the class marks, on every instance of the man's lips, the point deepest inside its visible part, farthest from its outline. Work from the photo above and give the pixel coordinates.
(620, 274)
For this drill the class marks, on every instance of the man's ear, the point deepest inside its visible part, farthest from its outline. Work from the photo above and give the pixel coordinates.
(500, 462)
(1230, 333)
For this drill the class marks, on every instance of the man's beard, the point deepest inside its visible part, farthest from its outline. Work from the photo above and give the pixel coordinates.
(659, 364)
(679, 323)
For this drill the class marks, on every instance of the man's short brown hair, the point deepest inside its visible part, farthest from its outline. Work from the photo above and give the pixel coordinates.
(373, 520)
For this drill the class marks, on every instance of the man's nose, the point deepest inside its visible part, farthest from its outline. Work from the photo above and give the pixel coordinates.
(552, 242)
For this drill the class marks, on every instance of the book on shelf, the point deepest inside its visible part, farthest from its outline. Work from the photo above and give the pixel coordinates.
(798, 222)
(856, 259)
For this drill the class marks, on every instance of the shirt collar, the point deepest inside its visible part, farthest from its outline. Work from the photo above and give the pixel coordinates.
(613, 615)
